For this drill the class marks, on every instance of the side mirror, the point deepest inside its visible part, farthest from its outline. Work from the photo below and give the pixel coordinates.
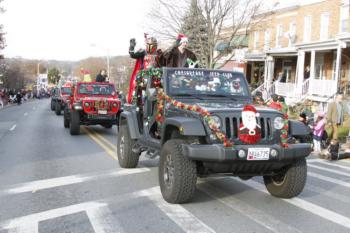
(151, 94)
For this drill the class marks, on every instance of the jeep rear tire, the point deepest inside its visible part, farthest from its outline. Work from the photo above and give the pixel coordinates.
(177, 174)
(74, 128)
(290, 182)
(126, 157)
(58, 108)
(65, 118)
(52, 105)
(108, 125)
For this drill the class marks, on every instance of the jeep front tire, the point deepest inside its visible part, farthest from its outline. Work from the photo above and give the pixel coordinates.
(66, 122)
(74, 123)
(126, 157)
(290, 182)
(52, 105)
(58, 108)
(177, 174)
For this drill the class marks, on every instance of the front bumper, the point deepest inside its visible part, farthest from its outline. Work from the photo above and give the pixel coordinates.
(219, 153)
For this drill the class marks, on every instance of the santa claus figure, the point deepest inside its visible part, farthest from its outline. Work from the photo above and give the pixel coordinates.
(249, 130)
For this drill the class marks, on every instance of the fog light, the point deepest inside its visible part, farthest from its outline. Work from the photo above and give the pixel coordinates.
(213, 137)
(241, 154)
(87, 104)
(273, 153)
(115, 105)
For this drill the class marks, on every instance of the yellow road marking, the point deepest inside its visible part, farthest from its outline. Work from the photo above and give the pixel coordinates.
(102, 138)
(110, 152)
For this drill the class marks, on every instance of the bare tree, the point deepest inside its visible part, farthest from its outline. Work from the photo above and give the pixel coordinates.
(2, 34)
(221, 17)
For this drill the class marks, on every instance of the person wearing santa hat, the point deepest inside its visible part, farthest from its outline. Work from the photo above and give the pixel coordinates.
(179, 55)
(249, 130)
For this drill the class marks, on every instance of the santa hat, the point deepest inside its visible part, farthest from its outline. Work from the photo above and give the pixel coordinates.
(250, 108)
(181, 38)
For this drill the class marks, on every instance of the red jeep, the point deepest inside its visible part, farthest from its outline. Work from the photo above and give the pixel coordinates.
(91, 103)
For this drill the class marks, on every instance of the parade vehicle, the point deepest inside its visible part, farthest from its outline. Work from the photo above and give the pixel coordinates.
(59, 97)
(202, 122)
(91, 103)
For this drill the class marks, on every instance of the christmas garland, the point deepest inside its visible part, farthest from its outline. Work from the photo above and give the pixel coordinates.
(156, 73)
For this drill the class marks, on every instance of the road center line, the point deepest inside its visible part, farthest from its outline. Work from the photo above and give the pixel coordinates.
(305, 205)
(68, 180)
(110, 152)
(111, 145)
(13, 128)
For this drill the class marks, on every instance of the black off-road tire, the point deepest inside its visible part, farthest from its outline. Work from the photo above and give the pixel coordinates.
(177, 174)
(66, 122)
(290, 182)
(52, 105)
(126, 157)
(58, 108)
(74, 128)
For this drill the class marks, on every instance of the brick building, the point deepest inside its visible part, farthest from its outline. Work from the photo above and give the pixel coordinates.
(304, 35)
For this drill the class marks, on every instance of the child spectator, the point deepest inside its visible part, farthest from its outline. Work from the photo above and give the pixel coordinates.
(318, 130)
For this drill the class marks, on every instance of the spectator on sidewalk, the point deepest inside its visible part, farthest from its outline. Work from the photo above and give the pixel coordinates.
(335, 115)
(318, 131)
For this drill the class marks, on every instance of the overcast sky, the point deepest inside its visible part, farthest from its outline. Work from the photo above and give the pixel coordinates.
(65, 29)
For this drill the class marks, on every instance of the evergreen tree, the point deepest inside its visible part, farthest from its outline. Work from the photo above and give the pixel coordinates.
(195, 28)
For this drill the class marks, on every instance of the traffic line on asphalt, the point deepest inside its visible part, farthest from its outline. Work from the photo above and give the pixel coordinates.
(182, 217)
(13, 128)
(102, 221)
(26, 114)
(109, 151)
(30, 222)
(329, 179)
(258, 216)
(329, 193)
(333, 164)
(329, 170)
(111, 145)
(35, 186)
(305, 205)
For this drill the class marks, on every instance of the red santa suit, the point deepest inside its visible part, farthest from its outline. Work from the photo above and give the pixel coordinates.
(249, 130)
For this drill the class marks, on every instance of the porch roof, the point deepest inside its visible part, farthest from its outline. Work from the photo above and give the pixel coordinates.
(275, 52)
(319, 45)
(255, 56)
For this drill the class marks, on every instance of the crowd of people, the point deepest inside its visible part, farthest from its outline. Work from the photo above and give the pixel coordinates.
(14, 96)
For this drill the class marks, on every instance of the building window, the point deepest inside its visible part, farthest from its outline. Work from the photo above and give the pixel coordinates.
(279, 31)
(319, 66)
(292, 34)
(324, 26)
(344, 18)
(256, 40)
(267, 39)
(307, 29)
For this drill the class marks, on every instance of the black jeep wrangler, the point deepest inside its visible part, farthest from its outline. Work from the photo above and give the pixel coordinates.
(187, 146)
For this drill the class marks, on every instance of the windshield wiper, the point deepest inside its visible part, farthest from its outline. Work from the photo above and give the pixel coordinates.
(221, 95)
(187, 95)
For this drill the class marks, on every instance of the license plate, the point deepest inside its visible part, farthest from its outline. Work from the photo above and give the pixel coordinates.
(258, 153)
(102, 112)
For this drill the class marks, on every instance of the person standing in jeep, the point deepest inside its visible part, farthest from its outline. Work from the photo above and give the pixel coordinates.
(179, 55)
(101, 77)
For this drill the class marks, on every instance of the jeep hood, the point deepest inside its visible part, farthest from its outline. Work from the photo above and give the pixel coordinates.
(234, 106)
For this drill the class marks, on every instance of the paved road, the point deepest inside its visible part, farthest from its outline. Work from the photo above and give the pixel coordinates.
(53, 182)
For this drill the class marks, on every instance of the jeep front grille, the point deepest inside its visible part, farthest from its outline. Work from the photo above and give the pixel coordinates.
(231, 126)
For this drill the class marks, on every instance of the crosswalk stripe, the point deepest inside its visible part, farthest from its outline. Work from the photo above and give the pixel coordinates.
(329, 193)
(329, 170)
(328, 163)
(68, 180)
(329, 179)
(182, 217)
(305, 205)
(102, 221)
(49, 214)
(247, 210)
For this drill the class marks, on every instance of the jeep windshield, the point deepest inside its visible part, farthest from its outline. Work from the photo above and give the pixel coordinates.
(206, 83)
(95, 89)
(66, 90)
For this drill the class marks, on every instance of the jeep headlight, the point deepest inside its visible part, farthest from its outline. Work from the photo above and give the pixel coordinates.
(217, 121)
(278, 123)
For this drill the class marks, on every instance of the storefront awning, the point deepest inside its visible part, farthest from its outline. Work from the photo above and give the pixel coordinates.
(239, 41)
